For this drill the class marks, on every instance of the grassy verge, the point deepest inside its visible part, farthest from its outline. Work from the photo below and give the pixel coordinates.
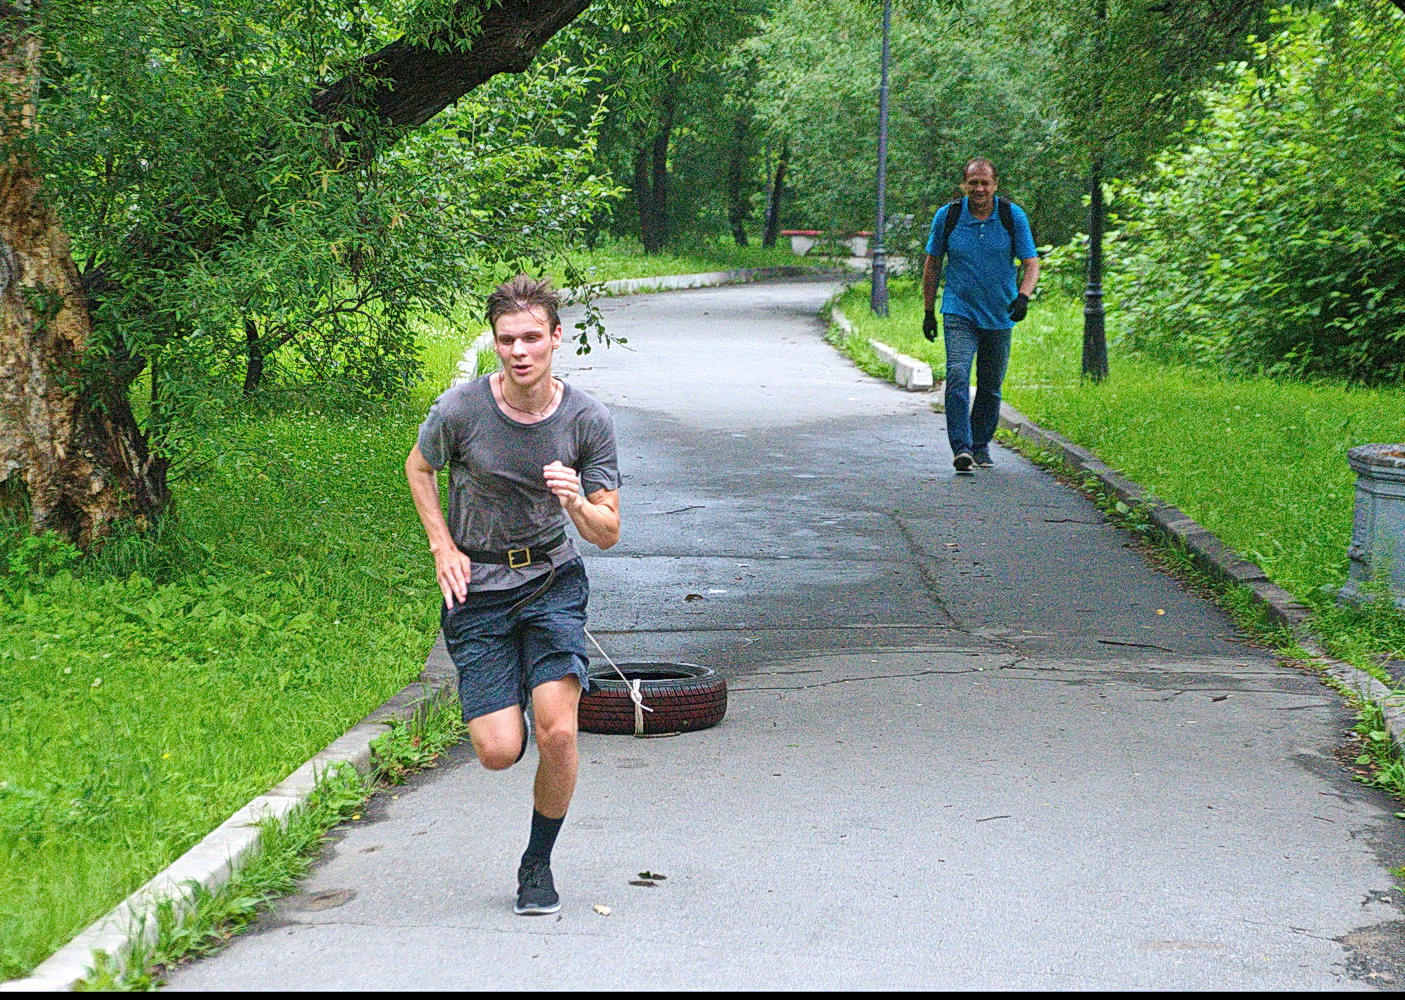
(609, 261)
(1259, 462)
(147, 694)
(285, 854)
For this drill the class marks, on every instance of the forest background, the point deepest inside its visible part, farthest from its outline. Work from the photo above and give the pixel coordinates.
(267, 251)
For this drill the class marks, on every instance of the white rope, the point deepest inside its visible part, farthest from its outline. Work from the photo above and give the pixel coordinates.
(633, 686)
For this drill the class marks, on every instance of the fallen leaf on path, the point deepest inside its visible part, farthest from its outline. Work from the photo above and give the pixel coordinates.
(601, 909)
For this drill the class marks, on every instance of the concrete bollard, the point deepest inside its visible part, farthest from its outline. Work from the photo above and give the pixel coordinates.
(1377, 549)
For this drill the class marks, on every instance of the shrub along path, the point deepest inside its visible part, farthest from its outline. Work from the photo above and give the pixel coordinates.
(973, 738)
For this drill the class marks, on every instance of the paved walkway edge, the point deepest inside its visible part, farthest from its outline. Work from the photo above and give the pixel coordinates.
(214, 860)
(1210, 555)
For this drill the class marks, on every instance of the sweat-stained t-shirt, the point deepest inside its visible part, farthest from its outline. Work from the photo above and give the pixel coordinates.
(980, 272)
(498, 498)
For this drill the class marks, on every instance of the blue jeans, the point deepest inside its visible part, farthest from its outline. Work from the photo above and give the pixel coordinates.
(970, 427)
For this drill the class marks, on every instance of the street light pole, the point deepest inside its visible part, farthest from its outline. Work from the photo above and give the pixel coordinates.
(878, 297)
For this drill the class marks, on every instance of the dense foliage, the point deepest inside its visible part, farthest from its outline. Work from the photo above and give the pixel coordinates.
(960, 87)
(1270, 240)
(284, 258)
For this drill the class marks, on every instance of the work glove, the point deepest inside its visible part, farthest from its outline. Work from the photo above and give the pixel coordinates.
(1019, 307)
(929, 324)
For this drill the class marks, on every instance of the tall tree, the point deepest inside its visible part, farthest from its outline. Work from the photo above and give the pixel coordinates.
(667, 57)
(83, 463)
(71, 453)
(1125, 77)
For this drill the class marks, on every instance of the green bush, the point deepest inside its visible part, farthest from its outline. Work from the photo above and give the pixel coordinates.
(1270, 241)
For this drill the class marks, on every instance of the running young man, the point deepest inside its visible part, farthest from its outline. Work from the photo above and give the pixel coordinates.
(979, 306)
(521, 446)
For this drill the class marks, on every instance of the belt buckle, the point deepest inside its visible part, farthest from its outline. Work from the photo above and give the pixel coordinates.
(524, 553)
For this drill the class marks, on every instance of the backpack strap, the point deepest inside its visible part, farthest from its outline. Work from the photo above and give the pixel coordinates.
(1007, 219)
(953, 216)
(1003, 210)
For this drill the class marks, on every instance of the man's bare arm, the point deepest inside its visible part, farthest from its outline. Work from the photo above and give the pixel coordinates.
(596, 517)
(931, 278)
(452, 568)
(1031, 276)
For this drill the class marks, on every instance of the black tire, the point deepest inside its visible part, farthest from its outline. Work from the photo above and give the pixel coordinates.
(684, 697)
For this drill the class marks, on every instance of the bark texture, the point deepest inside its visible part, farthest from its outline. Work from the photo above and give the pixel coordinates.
(738, 206)
(407, 85)
(69, 453)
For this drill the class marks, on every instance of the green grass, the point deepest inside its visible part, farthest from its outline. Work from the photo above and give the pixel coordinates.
(147, 694)
(1260, 462)
(612, 260)
(285, 853)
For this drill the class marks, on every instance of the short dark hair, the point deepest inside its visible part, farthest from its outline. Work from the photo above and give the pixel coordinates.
(521, 294)
(979, 161)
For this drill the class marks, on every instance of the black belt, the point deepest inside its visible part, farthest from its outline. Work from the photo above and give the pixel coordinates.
(518, 558)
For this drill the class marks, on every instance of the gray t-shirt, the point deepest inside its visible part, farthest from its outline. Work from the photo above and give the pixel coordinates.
(497, 496)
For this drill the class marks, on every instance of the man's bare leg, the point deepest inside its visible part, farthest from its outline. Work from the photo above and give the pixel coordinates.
(554, 711)
(497, 737)
(554, 706)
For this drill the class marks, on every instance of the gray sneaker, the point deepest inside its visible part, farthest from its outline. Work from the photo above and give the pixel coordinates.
(536, 893)
(983, 459)
(963, 461)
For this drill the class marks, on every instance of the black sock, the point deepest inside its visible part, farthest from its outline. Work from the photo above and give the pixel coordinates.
(544, 831)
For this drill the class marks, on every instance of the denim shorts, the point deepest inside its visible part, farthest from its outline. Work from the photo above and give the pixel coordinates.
(503, 650)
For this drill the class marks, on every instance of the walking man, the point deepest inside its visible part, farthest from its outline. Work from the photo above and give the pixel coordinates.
(981, 236)
(525, 450)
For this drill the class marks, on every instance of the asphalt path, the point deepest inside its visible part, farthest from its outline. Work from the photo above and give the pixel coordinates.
(975, 739)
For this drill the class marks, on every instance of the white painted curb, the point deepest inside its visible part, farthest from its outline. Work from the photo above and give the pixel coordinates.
(676, 282)
(212, 862)
(908, 372)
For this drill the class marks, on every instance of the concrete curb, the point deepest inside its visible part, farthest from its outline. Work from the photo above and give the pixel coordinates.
(214, 860)
(908, 372)
(1210, 555)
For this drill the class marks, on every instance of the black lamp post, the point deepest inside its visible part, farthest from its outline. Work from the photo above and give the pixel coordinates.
(878, 296)
(1094, 328)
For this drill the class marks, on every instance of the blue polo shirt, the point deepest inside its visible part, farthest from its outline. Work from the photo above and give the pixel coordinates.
(980, 271)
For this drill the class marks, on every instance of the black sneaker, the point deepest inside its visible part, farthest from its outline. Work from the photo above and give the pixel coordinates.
(536, 894)
(963, 461)
(983, 459)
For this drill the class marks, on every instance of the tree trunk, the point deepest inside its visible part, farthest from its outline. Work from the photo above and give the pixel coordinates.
(253, 358)
(70, 450)
(657, 232)
(651, 175)
(71, 453)
(773, 203)
(737, 207)
(643, 199)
